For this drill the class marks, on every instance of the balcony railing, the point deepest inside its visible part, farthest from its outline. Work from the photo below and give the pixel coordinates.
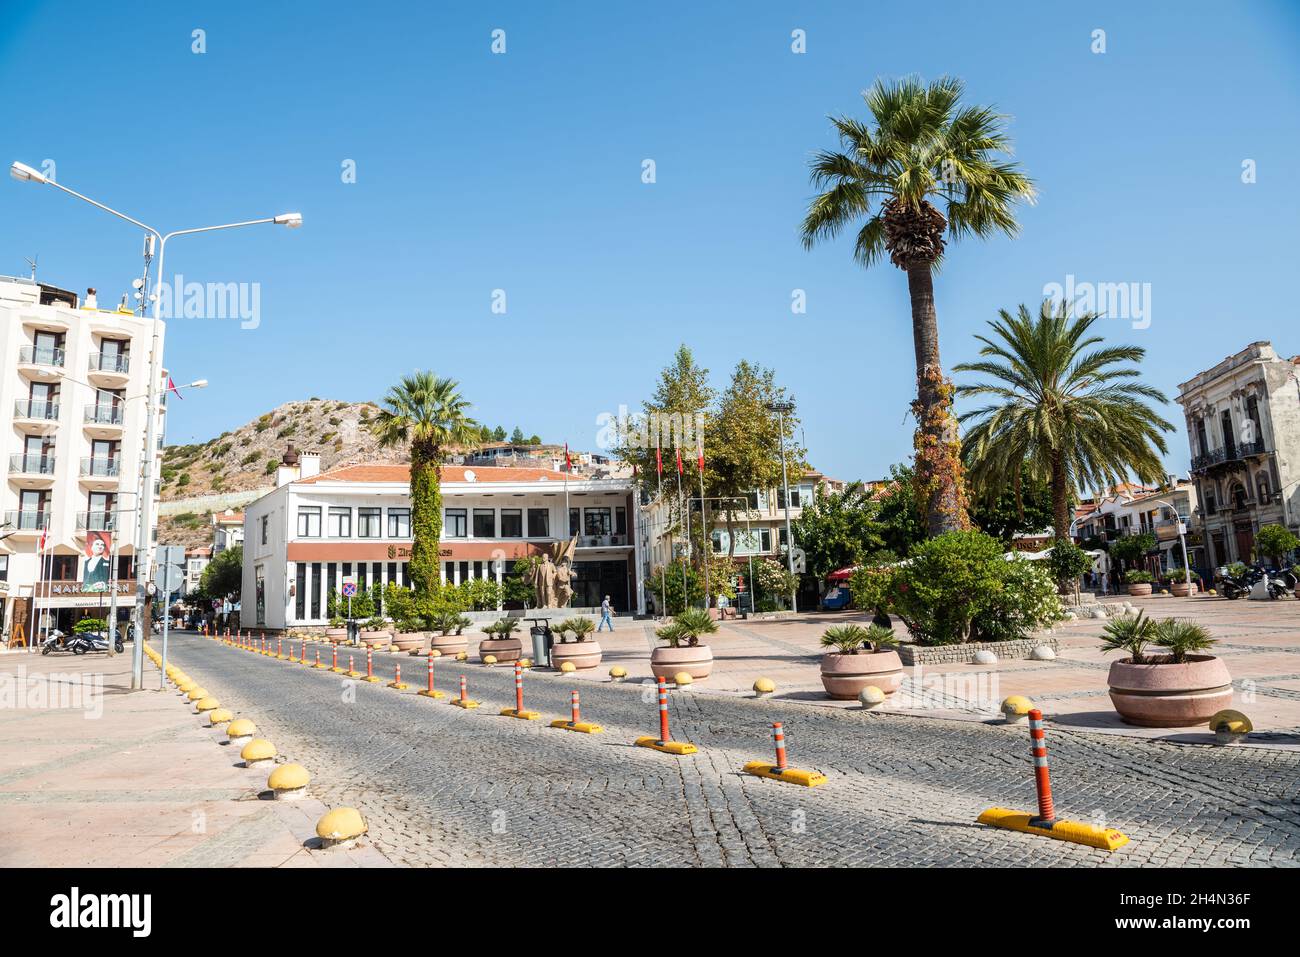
(94, 521)
(602, 541)
(100, 468)
(32, 464)
(99, 362)
(1234, 453)
(27, 519)
(104, 414)
(40, 356)
(36, 409)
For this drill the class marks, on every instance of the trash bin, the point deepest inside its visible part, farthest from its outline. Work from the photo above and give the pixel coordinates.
(541, 649)
(354, 632)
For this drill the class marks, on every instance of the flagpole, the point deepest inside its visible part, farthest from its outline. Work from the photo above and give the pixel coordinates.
(704, 518)
(686, 519)
(663, 569)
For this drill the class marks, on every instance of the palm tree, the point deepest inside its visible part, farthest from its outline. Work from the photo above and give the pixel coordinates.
(1065, 413)
(427, 413)
(925, 148)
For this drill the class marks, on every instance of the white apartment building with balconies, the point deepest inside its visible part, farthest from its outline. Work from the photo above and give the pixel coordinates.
(73, 401)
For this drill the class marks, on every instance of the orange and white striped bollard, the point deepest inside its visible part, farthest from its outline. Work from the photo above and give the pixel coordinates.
(464, 696)
(429, 669)
(778, 738)
(1042, 777)
(370, 662)
(519, 687)
(574, 713)
(664, 736)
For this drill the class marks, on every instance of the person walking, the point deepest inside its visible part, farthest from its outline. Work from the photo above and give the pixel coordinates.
(604, 616)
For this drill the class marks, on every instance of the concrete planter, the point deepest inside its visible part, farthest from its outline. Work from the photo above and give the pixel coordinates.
(1139, 591)
(336, 634)
(449, 644)
(844, 676)
(376, 639)
(409, 640)
(583, 654)
(1169, 695)
(1182, 589)
(505, 649)
(696, 661)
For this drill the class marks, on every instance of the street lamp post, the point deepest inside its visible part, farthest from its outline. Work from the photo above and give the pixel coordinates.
(749, 533)
(781, 408)
(144, 531)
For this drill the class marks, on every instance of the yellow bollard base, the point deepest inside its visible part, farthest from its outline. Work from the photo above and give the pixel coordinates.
(338, 671)
(400, 686)
(352, 674)
(1106, 838)
(465, 703)
(431, 694)
(372, 680)
(667, 747)
(586, 727)
(764, 769)
(522, 715)
(320, 666)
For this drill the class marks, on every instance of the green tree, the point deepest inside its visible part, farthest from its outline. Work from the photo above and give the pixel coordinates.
(517, 436)
(1275, 541)
(1131, 549)
(1063, 411)
(924, 148)
(499, 434)
(1008, 512)
(426, 413)
(224, 576)
(838, 529)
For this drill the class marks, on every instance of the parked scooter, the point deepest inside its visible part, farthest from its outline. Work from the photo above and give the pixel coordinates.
(93, 641)
(1281, 583)
(55, 641)
(1237, 586)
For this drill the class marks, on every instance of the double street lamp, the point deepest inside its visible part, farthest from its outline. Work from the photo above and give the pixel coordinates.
(144, 530)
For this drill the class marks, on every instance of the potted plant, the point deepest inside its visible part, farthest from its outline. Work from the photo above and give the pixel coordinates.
(862, 657)
(374, 633)
(583, 651)
(1139, 582)
(1173, 690)
(500, 641)
(1178, 583)
(448, 640)
(337, 630)
(683, 651)
(410, 636)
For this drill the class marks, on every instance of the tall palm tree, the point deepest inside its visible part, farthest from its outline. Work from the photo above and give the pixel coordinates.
(427, 413)
(1065, 412)
(925, 148)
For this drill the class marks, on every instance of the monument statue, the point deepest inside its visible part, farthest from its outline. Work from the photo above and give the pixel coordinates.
(552, 577)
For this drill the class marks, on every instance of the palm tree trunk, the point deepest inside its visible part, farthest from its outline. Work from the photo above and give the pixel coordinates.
(426, 517)
(1060, 502)
(938, 447)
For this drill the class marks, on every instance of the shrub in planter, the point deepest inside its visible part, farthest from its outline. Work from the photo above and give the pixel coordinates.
(1177, 579)
(583, 651)
(500, 641)
(862, 657)
(1139, 582)
(1178, 689)
(683, 651)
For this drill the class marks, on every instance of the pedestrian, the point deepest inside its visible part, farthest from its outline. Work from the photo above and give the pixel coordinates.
(604, 616)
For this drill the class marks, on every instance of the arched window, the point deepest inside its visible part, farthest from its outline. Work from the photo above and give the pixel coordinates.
(1237, 495)
(1264, 487)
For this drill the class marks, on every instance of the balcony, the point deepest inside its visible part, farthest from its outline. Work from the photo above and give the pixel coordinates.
(1224, 456)
(36, 415)
(41, 363)
(603, 541)
(27, 521)
(103, 420)
(103, 367)
(41, 466)
(94, 521)
(100, 472)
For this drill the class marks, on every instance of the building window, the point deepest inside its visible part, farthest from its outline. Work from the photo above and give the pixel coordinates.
(485, 523)
(331, 578)
(399, 523)
(265, 523)
(1263, 487)
(716, 538)
(369, 522)
(512, 523)
(620, 520)
(575, 522)
(539, 523)
(340, 522)
(315, 590)
(454, 523)
(309, 521)
(598, 521)
(300, 591)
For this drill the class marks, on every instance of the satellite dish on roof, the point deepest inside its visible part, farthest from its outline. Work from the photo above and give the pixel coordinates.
(470, 476)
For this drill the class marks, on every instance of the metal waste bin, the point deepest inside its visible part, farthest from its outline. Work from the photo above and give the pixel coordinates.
(541, 647)
(354, 632)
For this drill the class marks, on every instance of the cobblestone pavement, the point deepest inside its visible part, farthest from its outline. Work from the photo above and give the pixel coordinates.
(442, 786)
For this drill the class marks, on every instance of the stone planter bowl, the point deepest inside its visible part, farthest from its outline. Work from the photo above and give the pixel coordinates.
(1182, 589)
(1139, 591)
(505, 650)
(376, 639)
(583, 654)
(845, 676)
(336, 634)
(1169, 695)
(409, 640)
(451, 645)
(697, 661)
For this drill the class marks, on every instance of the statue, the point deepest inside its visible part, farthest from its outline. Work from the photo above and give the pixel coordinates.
(552, 577)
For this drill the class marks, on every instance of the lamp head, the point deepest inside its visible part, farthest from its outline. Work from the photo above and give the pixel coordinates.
(25, 174)
(292, 220)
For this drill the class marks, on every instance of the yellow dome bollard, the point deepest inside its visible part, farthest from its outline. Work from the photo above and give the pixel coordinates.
(241, 731)
(489, 660)
(568, 668)
(1230, 727)
(682, 679)
(340, 827)
(289, 782)
(462, 656)
(257, 753)
(617, 673)
(871, 697)
(206, 704)
(1015, 709)
(219, 716)
(764, 687)
(194, 694)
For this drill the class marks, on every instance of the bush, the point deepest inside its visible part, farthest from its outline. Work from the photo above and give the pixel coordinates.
(90, 625)
(1275, 541)
(1138, 576)
(1067, 562)
(1131, 548)
(671, 579)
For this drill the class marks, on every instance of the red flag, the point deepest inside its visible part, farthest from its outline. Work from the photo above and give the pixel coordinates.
(171, 387)
(679, 460)
(699, 449)
(568, 462)
(659, 461)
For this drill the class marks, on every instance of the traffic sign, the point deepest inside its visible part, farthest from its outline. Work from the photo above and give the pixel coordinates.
(349, 587)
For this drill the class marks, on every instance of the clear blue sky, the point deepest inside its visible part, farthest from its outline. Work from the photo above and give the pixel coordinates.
(522, 172)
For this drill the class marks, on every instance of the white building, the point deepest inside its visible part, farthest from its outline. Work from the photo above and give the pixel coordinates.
(315, 529)
(227, 530)
(1131, 509)
(73, 402)
(1243, 423)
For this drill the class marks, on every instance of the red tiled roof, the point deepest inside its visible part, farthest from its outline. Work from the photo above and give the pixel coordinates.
(449, 473)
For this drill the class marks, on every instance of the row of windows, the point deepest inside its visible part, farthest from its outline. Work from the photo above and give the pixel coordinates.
(339, 522)
(509, 522)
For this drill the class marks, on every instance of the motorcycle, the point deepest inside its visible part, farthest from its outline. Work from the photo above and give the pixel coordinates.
(93, 641)
(55, 641)
(1236, 586)
(1281, 583)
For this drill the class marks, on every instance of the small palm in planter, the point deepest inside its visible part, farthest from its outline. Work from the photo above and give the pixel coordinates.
(583, 651)
(449, 640)
(684, 651)
(1176, 690)
(500, 640)
(1139, 582)
(862, 657)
